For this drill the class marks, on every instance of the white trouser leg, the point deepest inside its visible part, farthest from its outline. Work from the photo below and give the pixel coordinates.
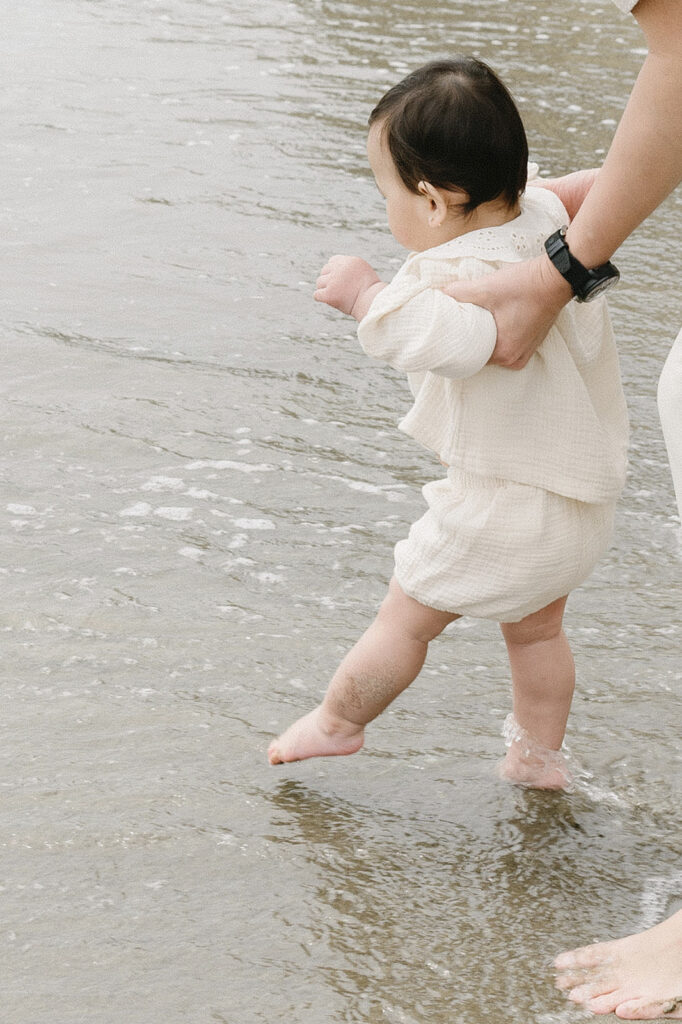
(670, 411)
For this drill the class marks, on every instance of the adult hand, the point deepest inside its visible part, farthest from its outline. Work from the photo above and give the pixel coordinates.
(345, 282)
(525, 300)
(571, 188)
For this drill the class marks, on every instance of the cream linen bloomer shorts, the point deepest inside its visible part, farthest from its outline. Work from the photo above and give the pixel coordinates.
(498, 550)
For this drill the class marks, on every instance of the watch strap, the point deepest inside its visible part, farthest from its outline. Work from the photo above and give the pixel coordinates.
(582, 281)
(568, 266)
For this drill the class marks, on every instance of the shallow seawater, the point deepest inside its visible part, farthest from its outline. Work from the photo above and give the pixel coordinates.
(202, 482)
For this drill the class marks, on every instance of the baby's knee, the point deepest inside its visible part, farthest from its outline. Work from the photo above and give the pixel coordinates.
(543, 625)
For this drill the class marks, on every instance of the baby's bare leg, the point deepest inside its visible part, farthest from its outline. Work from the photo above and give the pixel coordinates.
(543, 680)
(386, 659)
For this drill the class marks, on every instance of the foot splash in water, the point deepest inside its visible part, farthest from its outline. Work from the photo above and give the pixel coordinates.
(530, 764)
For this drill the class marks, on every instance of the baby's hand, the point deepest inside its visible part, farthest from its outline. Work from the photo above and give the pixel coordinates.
(345, 282)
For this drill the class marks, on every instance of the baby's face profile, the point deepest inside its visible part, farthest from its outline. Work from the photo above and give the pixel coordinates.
(407, 212)
(418, 220)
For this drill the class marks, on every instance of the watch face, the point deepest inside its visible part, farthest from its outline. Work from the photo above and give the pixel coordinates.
(593, 289)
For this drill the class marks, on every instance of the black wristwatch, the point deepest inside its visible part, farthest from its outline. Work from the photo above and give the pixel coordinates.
(586, 284)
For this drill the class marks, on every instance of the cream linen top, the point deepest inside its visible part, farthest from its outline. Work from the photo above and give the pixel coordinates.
(559, 424)
(625, 5)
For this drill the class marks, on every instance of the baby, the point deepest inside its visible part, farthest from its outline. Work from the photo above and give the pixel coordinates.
(535, 459)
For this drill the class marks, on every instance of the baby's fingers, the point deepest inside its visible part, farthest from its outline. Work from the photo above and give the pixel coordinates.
(321, 287)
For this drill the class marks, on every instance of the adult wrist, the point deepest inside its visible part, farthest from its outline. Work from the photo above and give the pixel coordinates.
(585, 283)
(552, 284)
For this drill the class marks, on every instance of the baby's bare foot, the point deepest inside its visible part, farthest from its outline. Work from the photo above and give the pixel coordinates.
(534, 776)
(637, 978)
(317, 734)
(528, 763)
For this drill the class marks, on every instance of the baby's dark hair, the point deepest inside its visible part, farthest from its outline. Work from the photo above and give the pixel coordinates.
(454, 124)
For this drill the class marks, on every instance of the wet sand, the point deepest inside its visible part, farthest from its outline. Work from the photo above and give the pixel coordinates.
(202, 482)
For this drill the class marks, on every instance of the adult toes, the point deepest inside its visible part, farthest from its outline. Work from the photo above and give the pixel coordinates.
(637, 1009)
(591, 994)
(605, 1002)
(576, 959)
(570, 979)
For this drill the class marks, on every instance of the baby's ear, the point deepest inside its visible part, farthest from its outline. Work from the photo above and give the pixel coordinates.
(439, 202)
(425, 188)
(452, 196)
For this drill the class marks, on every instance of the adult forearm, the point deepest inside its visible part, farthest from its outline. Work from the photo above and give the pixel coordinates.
(644, 162)
(643, 165)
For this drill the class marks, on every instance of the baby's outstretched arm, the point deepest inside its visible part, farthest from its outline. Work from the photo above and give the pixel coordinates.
(348, 283)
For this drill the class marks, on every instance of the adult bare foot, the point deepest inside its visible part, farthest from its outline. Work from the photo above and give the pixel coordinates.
(638, 977)
(317, 734)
